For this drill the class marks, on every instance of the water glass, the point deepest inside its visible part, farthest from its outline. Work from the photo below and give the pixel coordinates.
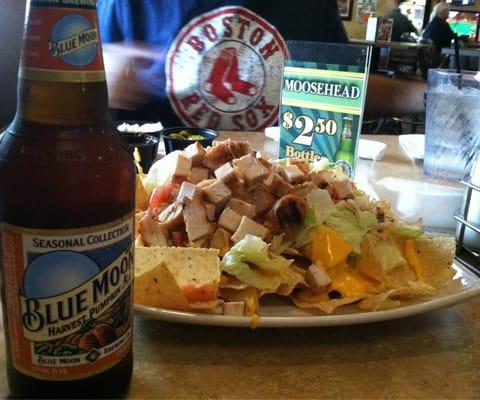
(452, 130)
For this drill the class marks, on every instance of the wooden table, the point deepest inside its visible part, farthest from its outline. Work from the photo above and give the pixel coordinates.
(436, 355)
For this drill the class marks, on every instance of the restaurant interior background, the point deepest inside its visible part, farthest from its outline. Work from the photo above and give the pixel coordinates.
(11, 25)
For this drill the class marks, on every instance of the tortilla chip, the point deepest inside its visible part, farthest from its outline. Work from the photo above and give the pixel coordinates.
(230, 282)
(138, 216)
(196, 270)
(371, 263)
(159, 288)
(292, 277)
(431, 258)
(141, 196)
(308, 299)
(415, 289)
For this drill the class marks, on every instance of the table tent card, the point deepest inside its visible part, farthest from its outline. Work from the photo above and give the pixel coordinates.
(323, 97)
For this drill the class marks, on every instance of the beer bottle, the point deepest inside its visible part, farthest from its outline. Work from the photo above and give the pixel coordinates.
(344, 156)
(66, 214)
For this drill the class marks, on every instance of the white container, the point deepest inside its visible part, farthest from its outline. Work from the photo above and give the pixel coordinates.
(471, 238)
(435, 204)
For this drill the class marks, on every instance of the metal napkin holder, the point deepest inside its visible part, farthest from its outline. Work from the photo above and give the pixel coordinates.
(465, 255)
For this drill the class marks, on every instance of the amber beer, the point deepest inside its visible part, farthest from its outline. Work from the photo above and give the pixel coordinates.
(66, 213)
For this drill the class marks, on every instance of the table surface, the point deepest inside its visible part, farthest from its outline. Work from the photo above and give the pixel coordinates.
(435, 355)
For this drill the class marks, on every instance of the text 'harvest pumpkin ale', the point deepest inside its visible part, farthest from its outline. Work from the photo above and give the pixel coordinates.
(66, 213)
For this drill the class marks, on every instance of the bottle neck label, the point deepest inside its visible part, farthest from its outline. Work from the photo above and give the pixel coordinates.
(68, 296)
(62, 42)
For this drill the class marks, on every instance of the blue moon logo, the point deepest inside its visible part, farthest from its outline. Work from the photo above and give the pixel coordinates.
(74, 40)
(54, 273)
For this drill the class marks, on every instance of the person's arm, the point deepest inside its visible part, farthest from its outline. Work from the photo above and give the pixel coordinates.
(392, 97)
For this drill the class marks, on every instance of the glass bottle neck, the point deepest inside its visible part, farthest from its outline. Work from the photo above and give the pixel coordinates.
(62, 103)
(62, 77)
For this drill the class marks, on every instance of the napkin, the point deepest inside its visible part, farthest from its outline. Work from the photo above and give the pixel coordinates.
(371, 149)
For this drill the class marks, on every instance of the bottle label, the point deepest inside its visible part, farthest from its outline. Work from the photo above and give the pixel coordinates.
(62, 42)
(68, 298)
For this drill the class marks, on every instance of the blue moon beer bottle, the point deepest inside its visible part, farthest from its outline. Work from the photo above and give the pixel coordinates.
(66, 216)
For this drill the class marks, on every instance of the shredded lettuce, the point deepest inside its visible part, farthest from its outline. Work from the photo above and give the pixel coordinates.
(350, 226)
(406, 230)
(320, 165)
(321, 206)
(303, 234)
(250, 262)
(385, 251)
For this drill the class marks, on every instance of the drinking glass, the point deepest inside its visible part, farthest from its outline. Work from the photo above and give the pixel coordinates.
(452, 130)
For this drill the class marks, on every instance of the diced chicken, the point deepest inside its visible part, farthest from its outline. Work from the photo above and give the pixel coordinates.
(217, 156)
(321, 179)
(293, 174)
(277, 185)
(236, 308)
(242, 207)
(250, 169)
(239, 189)
(263, 199)
(270, 221)
(303, 189)
(203, 242)
(221, 241)
(229, 220)
(172, 215)
(343, 188)
(196, 222)
(317, 278)
(182, 165)
(290, 211)
(205, 183)
(226, 173)
(239, 148)
(195, 152)
(211, 211)
(152, 233)
(269, 179)
(302, 164)
(198, 174)
(218, 192)
(187, 191)
(249, 227)
(263, 160)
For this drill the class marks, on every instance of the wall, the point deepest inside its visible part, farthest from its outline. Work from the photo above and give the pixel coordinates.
(357, 30)
(11, 26)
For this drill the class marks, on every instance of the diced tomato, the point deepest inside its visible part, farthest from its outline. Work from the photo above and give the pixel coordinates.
(205, 292)
(162, 195)
(180, 238)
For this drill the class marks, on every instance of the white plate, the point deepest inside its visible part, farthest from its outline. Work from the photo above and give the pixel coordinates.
(278, 312)
(413, 145)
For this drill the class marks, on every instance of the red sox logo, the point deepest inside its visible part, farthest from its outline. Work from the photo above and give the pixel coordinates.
(223, 70)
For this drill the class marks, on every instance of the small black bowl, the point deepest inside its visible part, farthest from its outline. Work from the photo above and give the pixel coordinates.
(156, 133)
(171, 144)
(146, 145)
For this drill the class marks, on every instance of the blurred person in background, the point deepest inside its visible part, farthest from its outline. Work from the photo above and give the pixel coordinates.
(402, 26)
(218, 63)
(438, 30)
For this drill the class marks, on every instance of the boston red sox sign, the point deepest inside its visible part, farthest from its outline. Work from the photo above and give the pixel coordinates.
(223, 70)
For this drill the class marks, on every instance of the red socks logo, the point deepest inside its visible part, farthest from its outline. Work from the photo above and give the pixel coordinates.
(224, 78)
